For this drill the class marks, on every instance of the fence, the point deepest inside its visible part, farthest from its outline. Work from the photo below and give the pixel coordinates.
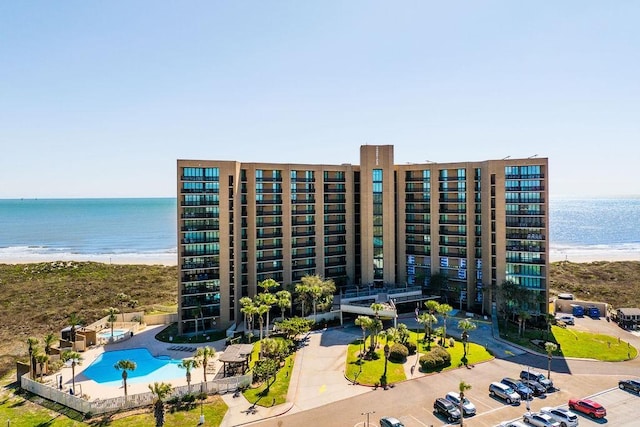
(101, 406)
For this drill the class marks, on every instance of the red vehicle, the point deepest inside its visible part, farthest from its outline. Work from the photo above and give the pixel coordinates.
(588, 407)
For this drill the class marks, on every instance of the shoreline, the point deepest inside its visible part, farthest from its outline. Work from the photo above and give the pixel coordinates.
(170, 260)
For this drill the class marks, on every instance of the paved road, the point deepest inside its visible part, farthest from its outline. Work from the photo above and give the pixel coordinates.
(320, 395)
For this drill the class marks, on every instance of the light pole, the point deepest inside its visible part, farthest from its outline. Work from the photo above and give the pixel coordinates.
(367, 414)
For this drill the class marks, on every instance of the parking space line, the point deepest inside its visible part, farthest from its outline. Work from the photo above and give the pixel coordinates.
(417, 420)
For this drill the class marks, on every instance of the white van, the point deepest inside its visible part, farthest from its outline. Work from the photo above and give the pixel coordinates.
(504, 392)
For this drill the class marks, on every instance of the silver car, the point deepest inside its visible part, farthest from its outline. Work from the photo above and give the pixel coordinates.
(565, 417)
(539, 419)
(468, 408)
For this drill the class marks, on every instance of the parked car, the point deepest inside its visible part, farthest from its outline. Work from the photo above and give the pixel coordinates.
(512, 424)
(538, 376)
(504, 392)
(390, 422)
(538, 419)
(588, 407)
(447, 409)
(566, 318)
(468, 408)
(538, 389)
(565, 417)
(631, 385)
(521, 388)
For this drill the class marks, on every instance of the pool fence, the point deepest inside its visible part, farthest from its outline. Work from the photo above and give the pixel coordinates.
(84, 405)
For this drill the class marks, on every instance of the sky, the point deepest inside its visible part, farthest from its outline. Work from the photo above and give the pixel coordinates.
(100, 99)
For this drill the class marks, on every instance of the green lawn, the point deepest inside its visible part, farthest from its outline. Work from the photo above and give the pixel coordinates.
(372, 370)
(26, 410)
(278, 390)
(573, 343)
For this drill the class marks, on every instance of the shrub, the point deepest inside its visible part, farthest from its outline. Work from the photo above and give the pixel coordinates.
(411, 347)
(436, 358)
(398, 353)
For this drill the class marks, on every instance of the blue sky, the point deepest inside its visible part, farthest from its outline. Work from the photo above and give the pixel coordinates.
(99, 99)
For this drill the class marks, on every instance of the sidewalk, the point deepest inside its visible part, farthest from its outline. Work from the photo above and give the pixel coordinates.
(317, 379)
(318, 372)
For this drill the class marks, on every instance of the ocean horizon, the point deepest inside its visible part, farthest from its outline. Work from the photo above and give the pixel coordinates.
(143, 230)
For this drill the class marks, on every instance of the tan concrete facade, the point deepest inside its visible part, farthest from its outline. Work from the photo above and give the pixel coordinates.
(479, 223)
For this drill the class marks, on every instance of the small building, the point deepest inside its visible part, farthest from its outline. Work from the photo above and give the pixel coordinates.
(235, 359)
(628, 318)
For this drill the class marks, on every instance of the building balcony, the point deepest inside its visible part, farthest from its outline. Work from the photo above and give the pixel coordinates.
(452, 210)
(199, 215)
(303, 265)
(333, 262)
(525, 248)
(268, 268)
(267, 246)
(200, 203)
(417, 198)
(277, 201)
(523, 222)
(303, 201)
(524, 188)
(525, 260)
(445, 199)
(199, 191)
(300, 221)
(419, 221)
(299, 210)
(462, 243)
(452, 232)
(199, 178)
(335, 221)
(423, 250)
(201, 227)
(334, 190)
(302, 233)
(262, 234)
(525, 235)
(304, 255)
(274, 222)
(334, 199)
(202, 300)
(335, 241)
(459, 221)
(452, 252)
(334, 179)
(424, 209)
(199, 277)
(201, 240)
(334, 231)
(198, 253)
(335, 210)
(200, 289)
(301, 243)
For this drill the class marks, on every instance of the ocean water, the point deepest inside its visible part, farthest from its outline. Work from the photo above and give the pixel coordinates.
(88, 229)
(143, 230)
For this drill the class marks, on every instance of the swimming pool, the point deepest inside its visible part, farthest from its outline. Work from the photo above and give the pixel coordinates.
(148, 368)
(106, 333)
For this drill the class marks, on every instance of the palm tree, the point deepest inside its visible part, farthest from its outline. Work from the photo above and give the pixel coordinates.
(268, 284)
(249, 310)
(550, 347)
(364, 322)
(283, 300)
(269, 300)
(462, 387)
(49, 339)
(261, 310)
(444, 310)
(161, 391)
(316, 293)
(523, 316)
(202, 356)
(32, 342)
(189, 364)
(428, 320)
(74, 321)
(113, 316)
(76, 359)
(42, 359)
(467, 326)
(125, 366)
(303, 292)
(389, 333)
(432, 306)
(376, 307)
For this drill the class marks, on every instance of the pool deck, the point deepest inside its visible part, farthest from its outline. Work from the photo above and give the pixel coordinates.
(145, 338)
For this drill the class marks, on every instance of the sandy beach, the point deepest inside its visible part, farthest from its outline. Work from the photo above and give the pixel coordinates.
(555, 255)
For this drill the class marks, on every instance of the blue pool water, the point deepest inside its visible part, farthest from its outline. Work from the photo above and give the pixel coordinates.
(116, 333)
(148, 370)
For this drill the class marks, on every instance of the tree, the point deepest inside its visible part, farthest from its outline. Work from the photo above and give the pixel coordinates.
(42, 360)
(428, 320)
(462, 387)
(365, 323)
(388, 334)
(438, 282)
(550, 348)
(249, 310)
(75, 359)
(112, 313)
(188, 365)
(161, 391)
(283, 300)
(523, 316)
(268, 284)
(125, 366)
(261, 310)
(49, 339)
(74, 321)
(466, 326)
(444, 310)
(203, 354)
(303, 292)
(274, 348)
(403, 333)
(268, 300)
(294, 326)
(432, 306)
(122, 300)
(376, 307)
(32, 342)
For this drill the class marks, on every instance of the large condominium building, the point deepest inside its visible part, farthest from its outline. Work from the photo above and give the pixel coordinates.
(376, 223)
